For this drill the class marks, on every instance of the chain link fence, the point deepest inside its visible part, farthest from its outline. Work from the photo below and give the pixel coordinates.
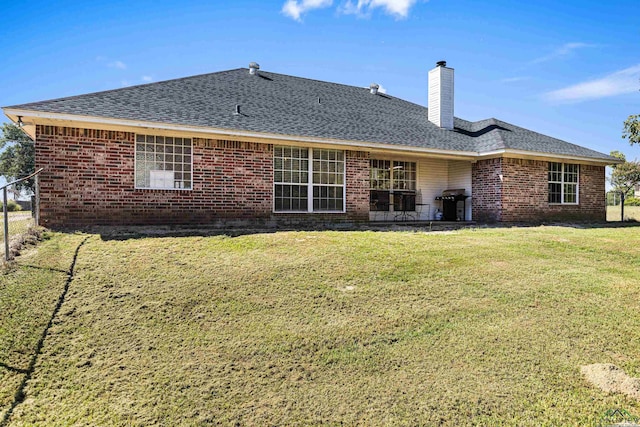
(20, 212)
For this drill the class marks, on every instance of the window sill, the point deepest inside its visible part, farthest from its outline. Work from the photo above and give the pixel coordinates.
(163, 189)
(307, 212)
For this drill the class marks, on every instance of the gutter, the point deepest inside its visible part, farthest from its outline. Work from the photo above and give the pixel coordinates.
(473, 156)
(70, 118)
(537, 155)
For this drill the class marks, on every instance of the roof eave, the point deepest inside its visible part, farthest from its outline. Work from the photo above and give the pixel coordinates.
(28, 128)
(538, 155)
(74, 120)
(30, 117)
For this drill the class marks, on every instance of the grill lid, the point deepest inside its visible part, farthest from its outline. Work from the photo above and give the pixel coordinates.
(453, 194)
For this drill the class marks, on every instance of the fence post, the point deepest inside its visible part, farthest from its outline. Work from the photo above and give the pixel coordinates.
(6, 208)
(5, 211)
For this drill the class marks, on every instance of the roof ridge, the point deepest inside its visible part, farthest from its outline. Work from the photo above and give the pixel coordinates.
(337, 84)
(277, 105)
(542, 134)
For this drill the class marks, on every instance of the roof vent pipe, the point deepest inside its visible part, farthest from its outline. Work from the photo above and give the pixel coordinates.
(253, 68)
(373, 88)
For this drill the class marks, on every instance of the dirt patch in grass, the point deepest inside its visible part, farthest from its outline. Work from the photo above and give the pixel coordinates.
(610, 378)
(20, 242)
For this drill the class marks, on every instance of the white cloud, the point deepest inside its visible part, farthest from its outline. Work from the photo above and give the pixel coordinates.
(118, 64)
(363, 8)
(125, 83)
(562, 51)
(514, 79)
(147, 78)
(617, 83)
(295, 8)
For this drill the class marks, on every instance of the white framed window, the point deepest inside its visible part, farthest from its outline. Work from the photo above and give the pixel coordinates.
(379, 174)
(563, 183)
(308, 179)
(387, 177)
(163, 162)
(392, 175)
(404, 176)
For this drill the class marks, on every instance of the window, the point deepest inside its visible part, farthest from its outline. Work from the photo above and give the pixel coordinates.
(380, 175)
(308, 180)
(563, 183)
(387, 176)
(404, 176)
(163, 162)
(382, 178)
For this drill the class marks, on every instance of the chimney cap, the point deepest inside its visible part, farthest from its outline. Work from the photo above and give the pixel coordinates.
(441, 64)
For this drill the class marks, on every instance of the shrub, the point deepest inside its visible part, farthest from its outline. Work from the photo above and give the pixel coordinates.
(12, 206)
(632, 201)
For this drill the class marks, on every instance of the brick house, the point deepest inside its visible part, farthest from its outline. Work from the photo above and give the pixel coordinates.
(253, 146)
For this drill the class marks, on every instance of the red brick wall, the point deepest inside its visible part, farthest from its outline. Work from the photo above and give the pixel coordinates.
(357, 167)
(487, 190)
(525, 190)
(592, 192)
(89, 178)
(523, 193)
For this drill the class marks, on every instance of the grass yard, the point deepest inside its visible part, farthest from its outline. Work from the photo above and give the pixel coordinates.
(28, 296)
(631, 213)
(474, 327)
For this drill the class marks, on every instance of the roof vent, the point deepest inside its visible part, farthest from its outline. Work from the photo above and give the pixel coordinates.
(373, 88)
(253, 68)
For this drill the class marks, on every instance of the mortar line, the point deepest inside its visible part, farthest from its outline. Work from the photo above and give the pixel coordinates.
(20, 395)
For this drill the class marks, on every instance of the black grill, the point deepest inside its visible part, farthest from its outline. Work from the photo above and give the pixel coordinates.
(452, 209)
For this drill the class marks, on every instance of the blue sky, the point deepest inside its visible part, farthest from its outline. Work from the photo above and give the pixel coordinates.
(568, 69)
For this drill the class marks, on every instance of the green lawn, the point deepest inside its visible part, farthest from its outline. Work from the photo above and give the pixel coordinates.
(631, 213)
(28, 295)
(474, 327)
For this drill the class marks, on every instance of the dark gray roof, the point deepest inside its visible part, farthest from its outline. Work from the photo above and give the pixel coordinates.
(286, 105)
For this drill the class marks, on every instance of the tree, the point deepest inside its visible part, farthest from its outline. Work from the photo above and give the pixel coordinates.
(618, 155)
(624, 177)
(18, 158)
(632, 129)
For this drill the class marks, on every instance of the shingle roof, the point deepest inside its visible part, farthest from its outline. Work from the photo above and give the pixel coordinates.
(294, 106)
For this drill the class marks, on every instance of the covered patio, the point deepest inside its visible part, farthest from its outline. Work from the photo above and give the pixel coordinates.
(415, 189)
